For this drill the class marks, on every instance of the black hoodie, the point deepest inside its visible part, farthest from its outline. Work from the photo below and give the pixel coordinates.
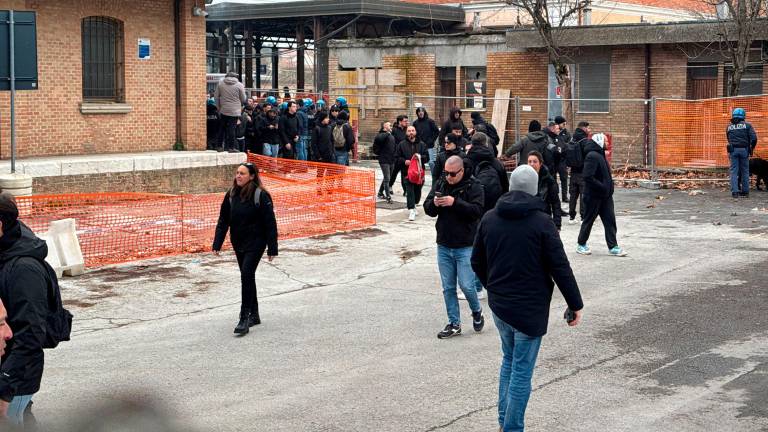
(449, 123)
(579, 138)
(478, 154)
(598, 181)
(548, 194)
(25, 282)
(490, 173)
(456, 225)
(517, 254)
(426, 128)
(537, 140)
(384, 147)
(322, 143)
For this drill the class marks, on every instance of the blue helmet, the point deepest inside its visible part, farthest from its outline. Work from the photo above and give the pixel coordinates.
(272, 101)
(307, 103)
(283, 106)
(342, 101)
(321, 103)
(739, 113)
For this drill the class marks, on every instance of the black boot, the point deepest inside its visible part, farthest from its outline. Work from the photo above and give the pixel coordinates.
(253, 319)
(242, 325)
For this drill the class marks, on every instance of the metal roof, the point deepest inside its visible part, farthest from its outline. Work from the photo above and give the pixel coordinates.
(276, 9)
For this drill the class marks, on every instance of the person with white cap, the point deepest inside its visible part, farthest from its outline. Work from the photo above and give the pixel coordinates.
(519, 257)
(598, 197)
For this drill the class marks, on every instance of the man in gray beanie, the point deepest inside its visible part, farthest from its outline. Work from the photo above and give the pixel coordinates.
(519, 257)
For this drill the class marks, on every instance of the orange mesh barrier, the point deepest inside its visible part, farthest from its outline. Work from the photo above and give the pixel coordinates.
(691, 134)
(121, 227)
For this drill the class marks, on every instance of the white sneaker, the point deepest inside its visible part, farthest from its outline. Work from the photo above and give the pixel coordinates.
(460, 294)
(572, 221)
(412, 215)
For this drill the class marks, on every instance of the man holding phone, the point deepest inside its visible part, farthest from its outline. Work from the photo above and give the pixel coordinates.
(519, 257)
(457, 200)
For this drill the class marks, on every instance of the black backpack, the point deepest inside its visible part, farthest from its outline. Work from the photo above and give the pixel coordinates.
(574, 156)
(58, 322)
(487, 176)
(492, 133)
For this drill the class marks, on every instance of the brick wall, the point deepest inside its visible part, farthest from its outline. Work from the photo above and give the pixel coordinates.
(49, 121)
(189, 180)
(669, 73)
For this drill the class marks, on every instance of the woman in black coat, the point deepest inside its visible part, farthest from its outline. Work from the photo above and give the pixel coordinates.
(248, 213)
(547, 187)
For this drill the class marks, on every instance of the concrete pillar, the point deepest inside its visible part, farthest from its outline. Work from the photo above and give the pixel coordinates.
(300, 85)
(321, 56)
(275, 68)
(248, 41)
(16, 184)
(257, 50)
(223, 44)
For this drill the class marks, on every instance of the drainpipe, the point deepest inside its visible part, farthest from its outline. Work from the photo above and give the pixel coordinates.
(647, 96)
(177, 64)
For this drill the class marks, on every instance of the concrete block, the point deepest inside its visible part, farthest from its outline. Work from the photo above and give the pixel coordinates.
(203, 160)
(64, 236)
(650, 184)
(147, 163)
(53, 254)
(16, 184)
(80, 167)
(177, 162)
(42, 168)
(231, 158)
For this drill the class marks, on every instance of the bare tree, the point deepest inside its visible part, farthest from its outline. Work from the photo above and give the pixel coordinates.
(737, 22)
(550, 18)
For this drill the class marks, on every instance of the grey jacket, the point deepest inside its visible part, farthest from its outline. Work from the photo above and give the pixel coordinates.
(230, 97)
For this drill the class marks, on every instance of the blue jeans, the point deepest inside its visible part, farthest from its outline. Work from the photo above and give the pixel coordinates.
(16, 409)
(519, 358)
(301, 147)
(271, 149)
(454, 265)
(342, 157)
(739, 167)
(432, 157)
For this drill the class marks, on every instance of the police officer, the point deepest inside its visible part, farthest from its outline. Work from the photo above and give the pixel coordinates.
(742, 140)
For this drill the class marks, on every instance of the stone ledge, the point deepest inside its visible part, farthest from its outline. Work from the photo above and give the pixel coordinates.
(105, 108)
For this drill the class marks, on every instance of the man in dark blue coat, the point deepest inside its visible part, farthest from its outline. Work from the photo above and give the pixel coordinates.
(519, 257)
(742, 140)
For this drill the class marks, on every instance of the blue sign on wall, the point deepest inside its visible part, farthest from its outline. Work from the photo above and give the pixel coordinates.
(144, 49)
(25, 38)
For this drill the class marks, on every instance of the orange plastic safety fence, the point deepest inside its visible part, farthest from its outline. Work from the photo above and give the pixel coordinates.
(310, 199)
(691, 134)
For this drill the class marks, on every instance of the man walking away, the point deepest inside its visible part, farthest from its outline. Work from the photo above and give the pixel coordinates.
(25, 283)
(598, 197)
(303, 116)
(288, 127)
(519, 257)
(404, 156)
(457, 202)
(536, 140)
(427, 132)
(480, 124)
(230, 97)
(487, 170)
(742, 141)
(574, 158)
(322, 149)
(384, 147)
(343, 138)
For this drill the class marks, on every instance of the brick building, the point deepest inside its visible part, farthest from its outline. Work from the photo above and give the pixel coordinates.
(615, 68)
(94, 92)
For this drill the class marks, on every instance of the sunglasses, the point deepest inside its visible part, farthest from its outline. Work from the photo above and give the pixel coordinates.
(453, 174)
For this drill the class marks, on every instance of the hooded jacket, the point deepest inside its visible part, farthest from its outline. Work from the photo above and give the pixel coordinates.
(269, 135)
(426, 129)
(548, 194)
(558, 149)
(384, 147)
(537, 140)
(322, 143)
(518, 256)
(349, 133)
(288, 129)
(230, 97)
(448, 123)
(490, 173)
(251, 227)
(579, 138)
(457, 225)
(303, 117)
(25, 283)
(441, 158)
(598, 182)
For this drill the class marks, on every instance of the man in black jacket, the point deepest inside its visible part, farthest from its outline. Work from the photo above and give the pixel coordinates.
(398, 131)
(403, 157)
(483, 152)
(598, 197)
(576, 184)
(384, 147)
(451, 149)
(561, 169)
(480, 124)
(517, 254)
(24, 287)
(457, 201)
(322, 149)
(536, 140)
(344, 147)
(427, 131)
(289, 131)
(454, 118)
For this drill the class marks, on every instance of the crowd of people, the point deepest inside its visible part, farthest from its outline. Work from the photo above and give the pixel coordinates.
(301, 129)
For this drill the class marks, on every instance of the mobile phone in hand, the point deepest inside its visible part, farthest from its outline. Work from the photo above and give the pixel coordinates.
(438, 194)
(569, 315)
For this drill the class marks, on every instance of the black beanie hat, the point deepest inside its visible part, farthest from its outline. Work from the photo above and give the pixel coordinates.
(534, 126)
(559, 119)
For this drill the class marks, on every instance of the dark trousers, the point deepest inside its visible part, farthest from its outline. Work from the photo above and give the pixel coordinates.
(577, 189)
(413, 194)
(248, 262)
(595, 207)
(229, 124)
(562, 171)
(385, 189)
(399, 169)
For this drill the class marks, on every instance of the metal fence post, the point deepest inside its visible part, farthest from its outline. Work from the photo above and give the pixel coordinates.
(653, 141)
(517, 118)
(411, 109)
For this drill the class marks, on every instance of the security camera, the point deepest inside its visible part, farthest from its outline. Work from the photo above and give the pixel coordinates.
(198, 11)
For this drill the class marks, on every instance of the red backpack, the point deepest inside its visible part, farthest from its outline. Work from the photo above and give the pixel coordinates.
(416, 170)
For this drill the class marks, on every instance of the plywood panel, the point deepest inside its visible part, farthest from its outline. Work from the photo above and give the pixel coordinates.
(500, 113)
(387, 77)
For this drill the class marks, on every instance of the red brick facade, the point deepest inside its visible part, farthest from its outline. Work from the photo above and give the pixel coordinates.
(49, 120)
